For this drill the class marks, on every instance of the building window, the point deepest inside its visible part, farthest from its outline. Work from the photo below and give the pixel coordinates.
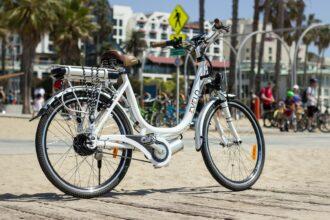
(120, 22)
(326, 92)
(152, 35)
(247, 50)
(114, 21)
(164, 27)
(270, 50)
(140, 25)
(153, 26)
(120, 32)
(196, 31)
(164, 36)
(216, 50)
(114, 31)
(270, 58)
(50, 47)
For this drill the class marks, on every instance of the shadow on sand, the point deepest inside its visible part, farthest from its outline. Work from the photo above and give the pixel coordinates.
(178, 190)
(34, 197)
(114, 194)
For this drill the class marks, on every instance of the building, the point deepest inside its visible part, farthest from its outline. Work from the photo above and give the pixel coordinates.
(154, 27)
(121, 16)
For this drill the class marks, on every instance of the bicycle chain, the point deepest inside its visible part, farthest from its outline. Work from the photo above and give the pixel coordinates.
(92, 92)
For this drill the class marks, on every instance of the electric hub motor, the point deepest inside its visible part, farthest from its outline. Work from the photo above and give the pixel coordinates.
(81, 145)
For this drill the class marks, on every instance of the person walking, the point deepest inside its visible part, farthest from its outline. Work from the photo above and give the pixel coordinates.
(2, 100)
(311, 102)
(267, 97)
(38, 101)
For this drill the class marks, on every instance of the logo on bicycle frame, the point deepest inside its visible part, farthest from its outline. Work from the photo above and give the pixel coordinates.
(194, 101)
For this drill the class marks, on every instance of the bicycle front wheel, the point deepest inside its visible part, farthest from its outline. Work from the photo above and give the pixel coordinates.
(236, 166)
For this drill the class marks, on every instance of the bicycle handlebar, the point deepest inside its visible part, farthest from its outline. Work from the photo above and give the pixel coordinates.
(174, 43)
(218, 25)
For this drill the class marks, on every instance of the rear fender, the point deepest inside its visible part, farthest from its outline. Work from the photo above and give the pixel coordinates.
(58, 97)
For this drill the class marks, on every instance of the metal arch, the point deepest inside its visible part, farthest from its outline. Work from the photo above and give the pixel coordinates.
(300, 40)
(238, 59)
(189, 57)
(230, 46)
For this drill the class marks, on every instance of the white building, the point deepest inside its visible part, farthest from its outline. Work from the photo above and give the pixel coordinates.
(155, 28)
(121, 15)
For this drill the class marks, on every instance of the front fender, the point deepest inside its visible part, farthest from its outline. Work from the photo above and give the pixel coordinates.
(200, 122)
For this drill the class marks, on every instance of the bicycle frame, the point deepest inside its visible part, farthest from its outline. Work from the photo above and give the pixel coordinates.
(146, 127)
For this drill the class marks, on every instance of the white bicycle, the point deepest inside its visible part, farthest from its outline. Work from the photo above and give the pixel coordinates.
(88, 132)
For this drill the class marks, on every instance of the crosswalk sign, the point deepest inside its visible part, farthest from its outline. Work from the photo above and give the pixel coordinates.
(178, 19)
(176, 36)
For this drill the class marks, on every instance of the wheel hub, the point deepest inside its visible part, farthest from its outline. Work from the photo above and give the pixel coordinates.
(80, 145)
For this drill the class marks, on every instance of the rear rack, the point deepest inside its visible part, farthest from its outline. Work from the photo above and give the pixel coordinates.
(79, 73)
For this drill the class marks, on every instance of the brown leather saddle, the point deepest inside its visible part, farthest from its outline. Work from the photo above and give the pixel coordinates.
(112, 56)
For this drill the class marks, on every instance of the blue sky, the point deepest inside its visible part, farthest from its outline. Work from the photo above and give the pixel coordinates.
(219, 8)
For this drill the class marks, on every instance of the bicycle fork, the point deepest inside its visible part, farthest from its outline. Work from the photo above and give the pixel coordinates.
(225, 109)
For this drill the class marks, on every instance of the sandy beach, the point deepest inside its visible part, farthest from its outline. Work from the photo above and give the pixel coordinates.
(293, 185)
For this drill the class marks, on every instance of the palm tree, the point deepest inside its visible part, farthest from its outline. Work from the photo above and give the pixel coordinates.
(75, 23)
(102, 13)
(3, 37)
(135, 44)
(266, 14)
(280, 24)
(322, 43)
(233, 42)
(254, 43)
(31, 19)
(201, 15)
(299, 14)
(308, 39)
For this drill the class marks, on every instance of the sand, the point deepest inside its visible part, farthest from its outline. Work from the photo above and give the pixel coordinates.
(294, 185)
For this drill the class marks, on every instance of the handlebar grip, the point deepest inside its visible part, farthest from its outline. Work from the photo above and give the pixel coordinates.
(159, 44)
(219, 25)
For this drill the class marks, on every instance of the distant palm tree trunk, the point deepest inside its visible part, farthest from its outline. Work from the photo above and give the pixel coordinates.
(28, 55)
(233, 41)
(320, 74)
(262, 44)
(305, 67)
(280, 22)
(3, 55)
(201, 15)
(299, 20)
(254, 44)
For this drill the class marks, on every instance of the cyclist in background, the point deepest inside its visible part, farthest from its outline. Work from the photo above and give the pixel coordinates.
(296, 97)
(311, 102)
(299, 111)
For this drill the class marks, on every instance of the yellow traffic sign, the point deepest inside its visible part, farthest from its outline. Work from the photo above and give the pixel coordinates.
(178, 19)
(176, 36)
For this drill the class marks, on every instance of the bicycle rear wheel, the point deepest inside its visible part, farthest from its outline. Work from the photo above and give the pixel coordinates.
(61, 140)
(268, 119)
(236, 166)
(324, 123)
